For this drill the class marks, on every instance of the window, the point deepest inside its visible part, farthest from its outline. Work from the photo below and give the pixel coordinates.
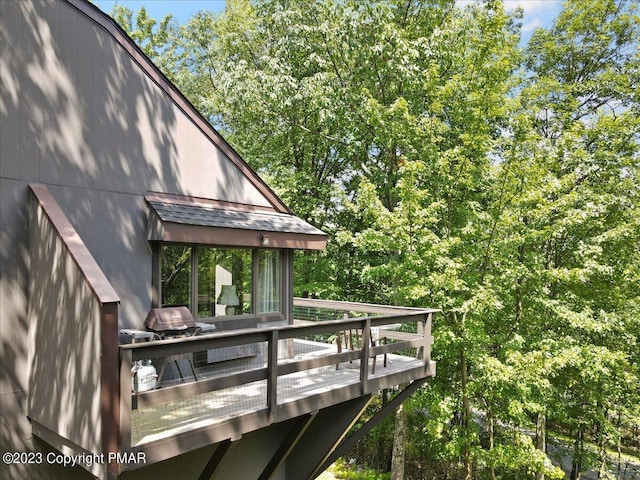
(214, 281)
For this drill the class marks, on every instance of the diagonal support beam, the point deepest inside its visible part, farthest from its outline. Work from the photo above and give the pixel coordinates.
(215, 460)
(323, 435)
(347, 444)
(297, 431)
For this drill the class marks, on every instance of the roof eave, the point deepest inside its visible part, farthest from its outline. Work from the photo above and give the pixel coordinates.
(237, 237)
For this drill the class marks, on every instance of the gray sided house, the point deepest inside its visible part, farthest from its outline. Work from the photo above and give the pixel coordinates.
(148, 327)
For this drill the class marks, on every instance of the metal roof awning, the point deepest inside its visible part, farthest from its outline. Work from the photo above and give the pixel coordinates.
(192, 220)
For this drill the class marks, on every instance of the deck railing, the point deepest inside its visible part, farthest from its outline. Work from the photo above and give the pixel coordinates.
(294, 369)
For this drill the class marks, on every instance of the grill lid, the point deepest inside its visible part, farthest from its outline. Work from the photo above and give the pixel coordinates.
(169, 319)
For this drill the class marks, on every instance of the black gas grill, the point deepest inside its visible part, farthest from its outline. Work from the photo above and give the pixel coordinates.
(172, 322)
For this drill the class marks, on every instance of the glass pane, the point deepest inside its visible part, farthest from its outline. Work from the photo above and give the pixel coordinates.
(268, 281)
(207, 261)
(176, 274)
(224, 281)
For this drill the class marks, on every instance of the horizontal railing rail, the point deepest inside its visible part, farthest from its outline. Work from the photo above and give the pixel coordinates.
(370, 308)
(278, 357)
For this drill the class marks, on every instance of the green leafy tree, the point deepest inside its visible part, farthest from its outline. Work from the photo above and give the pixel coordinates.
(157, 40)
(583, 104)
(453, 170)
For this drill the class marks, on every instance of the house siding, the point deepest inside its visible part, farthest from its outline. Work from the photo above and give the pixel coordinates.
(79, 116)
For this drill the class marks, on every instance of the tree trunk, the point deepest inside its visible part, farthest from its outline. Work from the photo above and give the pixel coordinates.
(541, 438)
(399, 444)
(619, 468)
(382, 460)
(491, 428)
(602, 444)
(465, 415)
(603, 459)
(576, 464)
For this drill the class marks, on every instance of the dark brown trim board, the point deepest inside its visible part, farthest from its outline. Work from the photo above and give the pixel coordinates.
(88, 266)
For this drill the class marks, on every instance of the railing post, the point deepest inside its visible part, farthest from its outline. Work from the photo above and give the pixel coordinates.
(364, 358)
(109, 381)
(272, 375)
(428, 340)
(125, 400)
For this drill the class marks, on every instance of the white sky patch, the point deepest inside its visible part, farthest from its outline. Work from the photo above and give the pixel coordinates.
(531, 25)
(536, 13)
(531, 6)
(526, 5)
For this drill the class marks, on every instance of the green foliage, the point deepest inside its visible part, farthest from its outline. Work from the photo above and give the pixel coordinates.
(519, 455)
(375, 450)
(344, 471)
(452, 169)
(157, 40)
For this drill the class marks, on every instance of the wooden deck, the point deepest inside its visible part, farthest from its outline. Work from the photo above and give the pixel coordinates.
(165, 420)
(286, 372)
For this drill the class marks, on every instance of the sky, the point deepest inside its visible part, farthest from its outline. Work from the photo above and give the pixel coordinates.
(537, 13)
(181, 10)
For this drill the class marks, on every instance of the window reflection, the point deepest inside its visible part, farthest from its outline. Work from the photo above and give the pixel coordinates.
(223, 280)
(176, 275)
(268, 281)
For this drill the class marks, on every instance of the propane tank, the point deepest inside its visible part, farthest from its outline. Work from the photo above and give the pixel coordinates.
(143, 376)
